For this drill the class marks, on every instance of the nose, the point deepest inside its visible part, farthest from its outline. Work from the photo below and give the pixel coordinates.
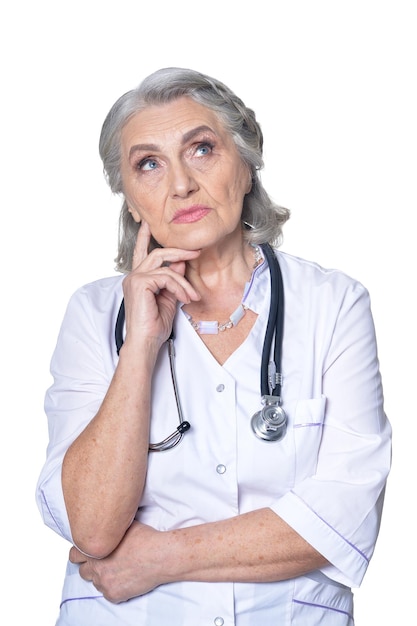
(182, 180)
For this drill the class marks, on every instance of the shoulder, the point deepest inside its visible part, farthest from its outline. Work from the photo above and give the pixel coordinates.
(106, 285)
(303, 273)
(326, 300)
(319, 291)
(101, 295)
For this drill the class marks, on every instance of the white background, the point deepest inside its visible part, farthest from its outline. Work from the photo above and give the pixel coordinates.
(333, 84)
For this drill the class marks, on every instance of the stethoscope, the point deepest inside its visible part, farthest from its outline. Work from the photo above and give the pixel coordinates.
(270, 422)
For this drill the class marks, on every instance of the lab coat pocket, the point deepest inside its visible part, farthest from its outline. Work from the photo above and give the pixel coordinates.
(307, 432)
(315, 603)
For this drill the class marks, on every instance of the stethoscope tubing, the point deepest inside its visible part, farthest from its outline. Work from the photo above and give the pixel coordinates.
(275, 325)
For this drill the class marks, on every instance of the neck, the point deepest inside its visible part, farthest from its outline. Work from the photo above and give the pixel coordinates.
(221, 267)
(222, 307)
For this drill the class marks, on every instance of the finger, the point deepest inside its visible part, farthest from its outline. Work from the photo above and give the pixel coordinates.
(75, 556)
(174, 283)
(142, 244)
(166, 257)
(85, 572)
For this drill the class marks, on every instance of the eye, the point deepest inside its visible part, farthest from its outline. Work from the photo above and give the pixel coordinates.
(203, 149)
(147, 164)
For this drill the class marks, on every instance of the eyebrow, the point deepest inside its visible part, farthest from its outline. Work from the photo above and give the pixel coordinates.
(152, 147)
(196, 131)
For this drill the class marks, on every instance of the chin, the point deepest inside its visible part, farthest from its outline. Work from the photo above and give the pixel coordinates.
(201, 238)
(189, 241)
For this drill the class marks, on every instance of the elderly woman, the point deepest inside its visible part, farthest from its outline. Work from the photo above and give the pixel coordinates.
(263, 505)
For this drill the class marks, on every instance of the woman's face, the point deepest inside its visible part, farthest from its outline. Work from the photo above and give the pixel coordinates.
(183, 175)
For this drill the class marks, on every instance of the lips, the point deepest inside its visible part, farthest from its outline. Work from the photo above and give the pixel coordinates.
(190, 214)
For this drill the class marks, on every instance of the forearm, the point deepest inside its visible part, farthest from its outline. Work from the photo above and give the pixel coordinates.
(254, 547)
(105, 468)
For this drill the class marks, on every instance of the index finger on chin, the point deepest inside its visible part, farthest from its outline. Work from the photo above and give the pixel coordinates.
(75, 556)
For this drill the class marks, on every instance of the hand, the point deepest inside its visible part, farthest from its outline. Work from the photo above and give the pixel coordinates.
(154, 286)
(133, 569)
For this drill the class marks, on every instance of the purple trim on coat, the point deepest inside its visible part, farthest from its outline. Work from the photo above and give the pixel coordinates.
(324, 606)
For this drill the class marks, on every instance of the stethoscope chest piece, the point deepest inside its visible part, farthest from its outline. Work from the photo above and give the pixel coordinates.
(270, 423)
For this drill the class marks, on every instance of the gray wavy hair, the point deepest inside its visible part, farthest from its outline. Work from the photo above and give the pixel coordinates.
(262, 218)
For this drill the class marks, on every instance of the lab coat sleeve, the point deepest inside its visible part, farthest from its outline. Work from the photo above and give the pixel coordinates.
(80, 382)
(338, 509)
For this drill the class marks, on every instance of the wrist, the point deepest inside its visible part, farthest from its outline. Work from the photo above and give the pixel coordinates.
(174, 561)
(141, 351)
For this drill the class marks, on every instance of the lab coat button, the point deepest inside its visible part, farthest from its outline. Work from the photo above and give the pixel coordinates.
(219, 621)
(220, 469)
(220, 388)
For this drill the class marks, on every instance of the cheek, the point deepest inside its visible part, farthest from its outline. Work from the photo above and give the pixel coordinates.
(241, 176)
(139, 200)
(241, 186)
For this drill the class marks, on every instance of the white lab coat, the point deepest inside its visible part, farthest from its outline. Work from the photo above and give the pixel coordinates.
(326, 478)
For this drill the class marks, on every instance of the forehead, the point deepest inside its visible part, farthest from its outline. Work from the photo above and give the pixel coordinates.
(171, 120)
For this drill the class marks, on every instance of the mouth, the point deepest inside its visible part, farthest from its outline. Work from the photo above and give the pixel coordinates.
(191, 214)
